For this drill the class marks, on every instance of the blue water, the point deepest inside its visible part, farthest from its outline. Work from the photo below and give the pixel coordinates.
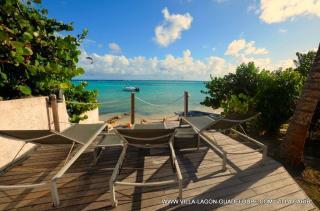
(161, 93)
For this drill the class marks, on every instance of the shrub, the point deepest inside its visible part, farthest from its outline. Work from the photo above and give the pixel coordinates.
(276, 97)
(273, 94)
(304, 62)
(244, 81)
(78, 93)
(237, 104)
(35, 58)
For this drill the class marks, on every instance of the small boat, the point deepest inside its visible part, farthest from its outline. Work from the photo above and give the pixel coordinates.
(131, 89)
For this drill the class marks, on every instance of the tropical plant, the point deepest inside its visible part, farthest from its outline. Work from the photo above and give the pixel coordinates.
(304, 62)
(273, 94)
(36, 54)
(76, 95)
(244, 81)
(276, 98)
(237, 104)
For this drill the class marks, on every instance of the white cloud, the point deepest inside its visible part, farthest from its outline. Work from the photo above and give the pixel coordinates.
(241, 46)
(219, 1)
(265, 63)
(183, 67)
(92, 43)
(185, 1)
(171, 28)
(275, 11)
(283, 30)
(89, 41)
(114, 48)
(253, 8)
(235, 46)
(244, 52)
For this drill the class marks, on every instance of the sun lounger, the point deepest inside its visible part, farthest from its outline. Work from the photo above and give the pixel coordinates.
(200, 124)
(114, 140)
(145, 138)
(107, 140)
(156, 125)
(185, 138)
(78, 134)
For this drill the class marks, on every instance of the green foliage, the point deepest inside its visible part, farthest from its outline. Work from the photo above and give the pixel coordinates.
(277, 97)
(244, 81)
(217, 90)
(304, 62)
(78, 93)
(237, 104)
(273, 94)
(34, 57)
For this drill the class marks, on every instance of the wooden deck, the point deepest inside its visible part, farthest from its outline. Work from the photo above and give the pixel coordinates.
(85, 187)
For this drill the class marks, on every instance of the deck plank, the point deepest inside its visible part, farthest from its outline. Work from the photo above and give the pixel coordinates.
(85, 187)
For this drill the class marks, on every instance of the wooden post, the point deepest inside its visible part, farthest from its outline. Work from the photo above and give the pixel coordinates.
(186, 96)
(132, 107)
(55, 114)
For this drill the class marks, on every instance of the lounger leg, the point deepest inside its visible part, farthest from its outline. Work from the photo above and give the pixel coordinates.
(120, 167)
(177, 168)
(69, 154)
(198, 144)
(54, 193)
(224, 162)
(264, 155)
(96, 154)
(114, 176)
(114, 202)
(172, 161)
(180, 189)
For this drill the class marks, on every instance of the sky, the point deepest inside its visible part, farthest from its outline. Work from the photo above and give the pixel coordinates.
(188, 39)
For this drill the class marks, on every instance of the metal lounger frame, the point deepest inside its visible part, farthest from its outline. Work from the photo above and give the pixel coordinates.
(53, 182)
(214, 145)
(113, 180)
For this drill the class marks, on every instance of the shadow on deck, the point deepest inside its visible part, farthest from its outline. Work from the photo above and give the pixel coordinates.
(85, 187)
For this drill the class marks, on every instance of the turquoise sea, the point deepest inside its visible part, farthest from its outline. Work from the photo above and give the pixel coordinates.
(162, 98)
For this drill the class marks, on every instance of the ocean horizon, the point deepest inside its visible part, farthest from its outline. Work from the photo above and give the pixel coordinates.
(156, 98)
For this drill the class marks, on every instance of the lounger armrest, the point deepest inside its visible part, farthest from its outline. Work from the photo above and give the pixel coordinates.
(6, 187)
(249, 138)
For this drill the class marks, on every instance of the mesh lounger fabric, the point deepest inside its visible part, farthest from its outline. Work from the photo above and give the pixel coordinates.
(109, 140)
(216, 123)
(145, 138)
(150, 126)
(79, 133)
(145, 133)
(199, 122)
(185, 137)
(83, 134)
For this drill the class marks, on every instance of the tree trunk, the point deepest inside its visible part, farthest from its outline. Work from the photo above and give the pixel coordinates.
(293, 145)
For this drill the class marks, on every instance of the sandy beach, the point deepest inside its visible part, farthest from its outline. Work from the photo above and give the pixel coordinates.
(119, 118)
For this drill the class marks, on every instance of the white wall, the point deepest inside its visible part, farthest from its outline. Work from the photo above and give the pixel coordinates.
(21, 114)
(93, 117)
(63, 116)
(25, 114)
(30, 114)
